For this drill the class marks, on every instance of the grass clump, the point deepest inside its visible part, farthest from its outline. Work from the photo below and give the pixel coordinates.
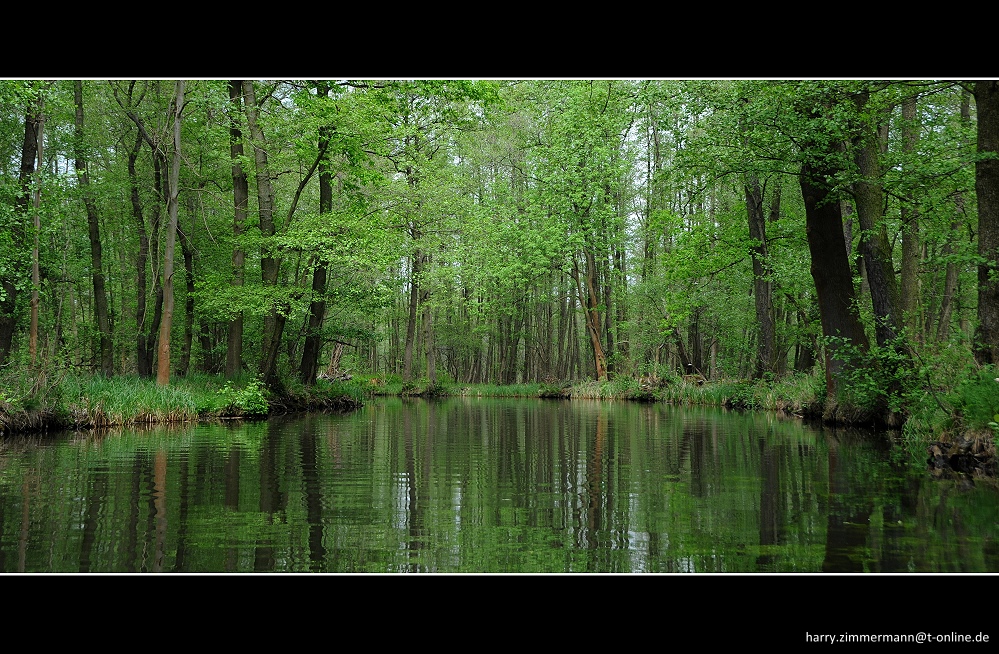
(500, 390)
(97, 401)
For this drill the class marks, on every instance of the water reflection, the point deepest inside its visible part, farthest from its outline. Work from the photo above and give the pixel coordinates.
(486, 485)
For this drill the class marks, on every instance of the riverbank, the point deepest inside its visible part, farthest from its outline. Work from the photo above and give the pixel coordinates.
(952, 429)
(73, 401)
(796, 395)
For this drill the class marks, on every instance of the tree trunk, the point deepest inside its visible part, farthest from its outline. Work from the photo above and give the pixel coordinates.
(428, 343)
(951, 274)
(910, 231)
(187, 252)
(317, 308)
(987, 191)
(312, 348)
(590, 301)
(269, 264)
(163, 363)
(240, 198)
(96, 261)
(36, 281)
(414, 300)
(623, 338)
(766, 360)
(9, 281)
(696, 363)
(833, 282)
(869, 197)
(146, 330)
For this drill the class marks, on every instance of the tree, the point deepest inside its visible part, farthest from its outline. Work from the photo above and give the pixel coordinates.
(579, 169)
(821, 151)
(106, 354)
(909, 283)
(871, 135)
(36, 281)
(987, 191)
(147, 319)
(163, 362)
(11, 279)
(317, 307)
(240, 197)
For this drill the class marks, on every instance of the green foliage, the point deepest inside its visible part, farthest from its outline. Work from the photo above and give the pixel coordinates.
(976, 398)
(250, 400)
(878, 378)
(743, 396)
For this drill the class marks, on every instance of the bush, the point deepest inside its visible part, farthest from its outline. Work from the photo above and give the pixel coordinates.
(882, 378)
(251, 400)
(976, 399)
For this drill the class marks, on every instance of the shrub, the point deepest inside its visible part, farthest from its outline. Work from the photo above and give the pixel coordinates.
(878, 379)
(976, 399)
(251, 400)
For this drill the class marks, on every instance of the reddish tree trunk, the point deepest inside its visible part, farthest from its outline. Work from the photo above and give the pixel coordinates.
(163, 362)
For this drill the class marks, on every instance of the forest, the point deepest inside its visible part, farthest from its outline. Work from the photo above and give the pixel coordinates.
(836, 240)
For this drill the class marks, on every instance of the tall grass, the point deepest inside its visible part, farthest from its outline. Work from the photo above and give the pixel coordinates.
(30, 403)
(498, 390)
(101, 402)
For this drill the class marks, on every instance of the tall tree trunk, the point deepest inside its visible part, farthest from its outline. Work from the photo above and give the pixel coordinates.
(696, 364)
(187, 252)
(766, 360)
(240, 198)
(163, 363)
(414, 300)
(312, 348)
(146, 328)
(590, 301)
(623, 338)
(96, 261)
(317, 308)
(269, 264)
(951, 274)
(833, 281)
(9, 281)
(987, 190)
(430, 350)
(869, 197)
(910, 231)
(36, 282)
(611, 351)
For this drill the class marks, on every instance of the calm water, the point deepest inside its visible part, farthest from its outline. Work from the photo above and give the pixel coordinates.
(486, 485)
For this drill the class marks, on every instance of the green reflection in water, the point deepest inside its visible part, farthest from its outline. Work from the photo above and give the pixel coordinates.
(486, 485)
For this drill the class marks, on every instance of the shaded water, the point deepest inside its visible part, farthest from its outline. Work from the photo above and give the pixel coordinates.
(486, 485)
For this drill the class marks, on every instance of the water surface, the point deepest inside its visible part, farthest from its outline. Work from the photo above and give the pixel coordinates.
(486, 485)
